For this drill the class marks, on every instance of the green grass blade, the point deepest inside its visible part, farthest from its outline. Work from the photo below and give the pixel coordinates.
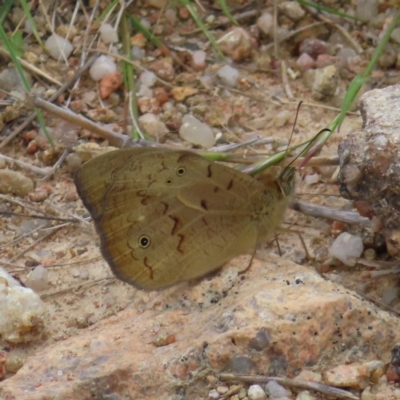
(129, 73)
(224, 8)
(147, 34)
(21, 73)
(106, 11)
(319, 7)
(201, 25)
(5, 9)
(29, 17)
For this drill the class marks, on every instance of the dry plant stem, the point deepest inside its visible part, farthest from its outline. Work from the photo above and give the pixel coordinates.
(276, 30)
(84, 43)
(295, 383)
(358, 49)
(32, 68)
(294, 33)
(349, 217)
(235, 390)
(20, 238)
(377, 263)
(315, 105)
(37, 170)
(56, 165)
(313, 162)
(285, 81)
(377, 302)
(235, 146)
(223, 21)
(77, 286)
(60, 91)
(20, 203)
(384, 272)
(253, 158)
(46, 235)
(20, 268)
(114, 138)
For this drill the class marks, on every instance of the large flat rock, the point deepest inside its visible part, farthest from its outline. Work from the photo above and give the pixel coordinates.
(276, 319)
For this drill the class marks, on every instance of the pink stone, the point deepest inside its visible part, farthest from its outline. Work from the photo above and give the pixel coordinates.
(305, 62)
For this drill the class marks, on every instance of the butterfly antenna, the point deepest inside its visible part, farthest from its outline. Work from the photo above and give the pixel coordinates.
(288, 172)
(287, 175)
(294, 126)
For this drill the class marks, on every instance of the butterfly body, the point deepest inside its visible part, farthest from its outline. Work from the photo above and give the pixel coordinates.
(168, 216)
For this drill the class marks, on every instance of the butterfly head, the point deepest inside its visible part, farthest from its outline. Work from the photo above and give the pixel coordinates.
(286, 181)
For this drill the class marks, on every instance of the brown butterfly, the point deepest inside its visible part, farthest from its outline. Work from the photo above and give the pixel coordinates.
(168, 216)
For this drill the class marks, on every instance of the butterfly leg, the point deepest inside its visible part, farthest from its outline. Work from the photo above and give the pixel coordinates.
(278, 245)
(298, 233)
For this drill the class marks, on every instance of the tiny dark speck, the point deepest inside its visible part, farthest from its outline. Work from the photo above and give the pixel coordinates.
(203, 204)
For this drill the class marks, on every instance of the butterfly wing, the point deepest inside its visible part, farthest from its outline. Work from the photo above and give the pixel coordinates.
(164, 216)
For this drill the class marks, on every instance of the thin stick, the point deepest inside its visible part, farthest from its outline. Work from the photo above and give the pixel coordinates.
(285, 81)
(47, 234)
(78, 286)
(32, 68)
(296, 383)
(37, 170)
(349, 217)
(61, 90)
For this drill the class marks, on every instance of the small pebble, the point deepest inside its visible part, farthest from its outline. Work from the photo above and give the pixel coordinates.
(109, 300)
(367, 395)
(228, 75)
(170, 15)
(256, 392)
(313, 47)
(108, 34)
(14, 182)
(366, 10)
(137, 53)
(148, 78)
(292, 10)
(275, 390)
(196, 132)
(37, 279)
(305, 62)
(266, 23)
(163, 69)
(151, 125)
(213, 394)
(222, 389)
(28, 27)
(160, 4)
(102, 67)
(346, 247)
(145, 22)
(389, 295)
(306, 395)
(198, 62)
(236, 44)
(58, 47)
(345, 54)
(311, 179)
(281, 118)
(325, 82)
(354, 376)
